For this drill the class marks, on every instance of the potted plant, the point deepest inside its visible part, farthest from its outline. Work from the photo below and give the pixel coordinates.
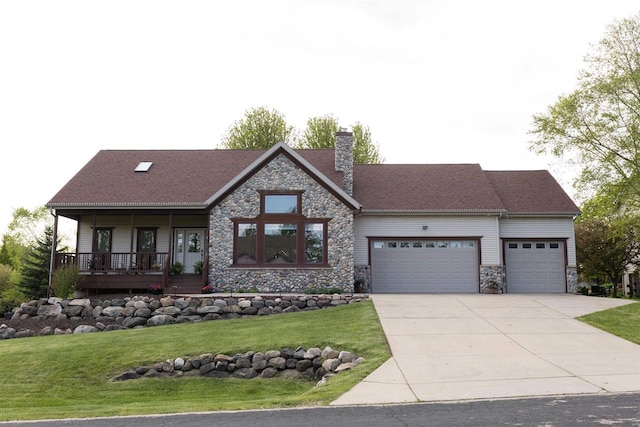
(156, 267)
(176, 268)
(198, 266)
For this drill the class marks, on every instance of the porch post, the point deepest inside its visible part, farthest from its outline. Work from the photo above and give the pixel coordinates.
(54, 251)
(93, 244)
(131, 241)
(165, 274)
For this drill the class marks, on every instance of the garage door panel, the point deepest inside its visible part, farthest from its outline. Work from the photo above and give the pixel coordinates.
(418, 268)
(535, 267)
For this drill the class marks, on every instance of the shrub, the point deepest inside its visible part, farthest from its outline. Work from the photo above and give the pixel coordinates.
(316, 291)
(155, 289)
(10, 298)
(66, 280)
(176, 268)
(5, 276)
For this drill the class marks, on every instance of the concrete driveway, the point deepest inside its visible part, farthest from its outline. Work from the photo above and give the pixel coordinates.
(456, 347)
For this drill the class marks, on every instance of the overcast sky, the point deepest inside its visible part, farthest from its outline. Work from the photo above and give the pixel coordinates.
(436, 81)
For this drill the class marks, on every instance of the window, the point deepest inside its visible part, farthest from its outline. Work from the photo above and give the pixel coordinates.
(280, 203)
(554, 245)
(103, 240)
(526, 246)
(147, 245)
(314, 243)
(246, 247)
(404, 244)
(513, 246)
(280, 235)
(101, 259)
(540, 246)
(417, 244)
(195, 245)
(280, 243)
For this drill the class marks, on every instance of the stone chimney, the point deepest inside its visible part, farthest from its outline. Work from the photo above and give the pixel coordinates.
(344, 159)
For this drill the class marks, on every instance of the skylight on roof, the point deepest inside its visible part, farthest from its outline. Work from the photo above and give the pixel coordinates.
(143, 167)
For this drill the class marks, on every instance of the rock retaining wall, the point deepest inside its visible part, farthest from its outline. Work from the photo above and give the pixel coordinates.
(288, 363)
(143, 311)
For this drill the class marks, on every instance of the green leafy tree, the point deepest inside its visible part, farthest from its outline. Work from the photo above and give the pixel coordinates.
(321, 133)
(5, 277)
(604, 248)
(36, 266)
(261, 128)
(27, 225)
(364, 150)
(597, 126)
(11, 252)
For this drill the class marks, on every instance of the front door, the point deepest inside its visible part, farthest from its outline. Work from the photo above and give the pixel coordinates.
(188, 248)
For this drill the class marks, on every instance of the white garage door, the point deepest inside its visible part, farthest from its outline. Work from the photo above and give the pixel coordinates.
(424, 266)
(535, 266)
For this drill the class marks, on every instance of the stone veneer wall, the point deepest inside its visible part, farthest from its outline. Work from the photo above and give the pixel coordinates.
(283, 175)
(572, 280)
(344, 159)
(491, 274)
(362, 278)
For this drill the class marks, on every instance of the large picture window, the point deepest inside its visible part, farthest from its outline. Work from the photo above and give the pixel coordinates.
(280, 235)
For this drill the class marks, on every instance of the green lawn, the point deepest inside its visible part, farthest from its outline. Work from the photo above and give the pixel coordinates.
(622, 321)
(69, 375)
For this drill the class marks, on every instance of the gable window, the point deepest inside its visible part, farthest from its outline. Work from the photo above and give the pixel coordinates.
(281, 203)
(280, 236)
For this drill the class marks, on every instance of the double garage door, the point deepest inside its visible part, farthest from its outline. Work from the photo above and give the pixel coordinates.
(424, 266)
(535, 266)
(452, 266)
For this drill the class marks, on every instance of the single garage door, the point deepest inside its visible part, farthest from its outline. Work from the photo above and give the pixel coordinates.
(424, 266)
(535, 266)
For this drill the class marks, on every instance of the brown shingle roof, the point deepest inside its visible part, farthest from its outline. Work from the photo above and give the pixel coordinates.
(533, 191)
(190, 177)
(424, 187)
(177, 177)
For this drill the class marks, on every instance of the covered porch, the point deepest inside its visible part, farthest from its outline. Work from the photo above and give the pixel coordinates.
(129, 252)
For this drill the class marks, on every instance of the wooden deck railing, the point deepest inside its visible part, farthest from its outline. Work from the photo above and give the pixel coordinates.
(118, 262)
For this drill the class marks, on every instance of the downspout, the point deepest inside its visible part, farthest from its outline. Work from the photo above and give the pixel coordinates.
(54, 250)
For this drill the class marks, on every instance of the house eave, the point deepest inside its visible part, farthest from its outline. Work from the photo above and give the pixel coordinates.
(496, 212)
(127, 205)
(545, 214)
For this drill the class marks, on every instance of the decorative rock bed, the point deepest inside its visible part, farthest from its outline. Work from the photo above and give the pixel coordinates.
(143, 311)
(287, 363)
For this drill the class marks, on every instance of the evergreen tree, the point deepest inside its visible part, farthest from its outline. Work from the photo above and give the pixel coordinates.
(36, 266)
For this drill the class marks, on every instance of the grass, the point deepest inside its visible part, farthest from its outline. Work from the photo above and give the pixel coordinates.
(623, 321)
(69, 376)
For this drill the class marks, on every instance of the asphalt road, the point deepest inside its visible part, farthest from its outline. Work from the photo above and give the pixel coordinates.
(591, 410)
